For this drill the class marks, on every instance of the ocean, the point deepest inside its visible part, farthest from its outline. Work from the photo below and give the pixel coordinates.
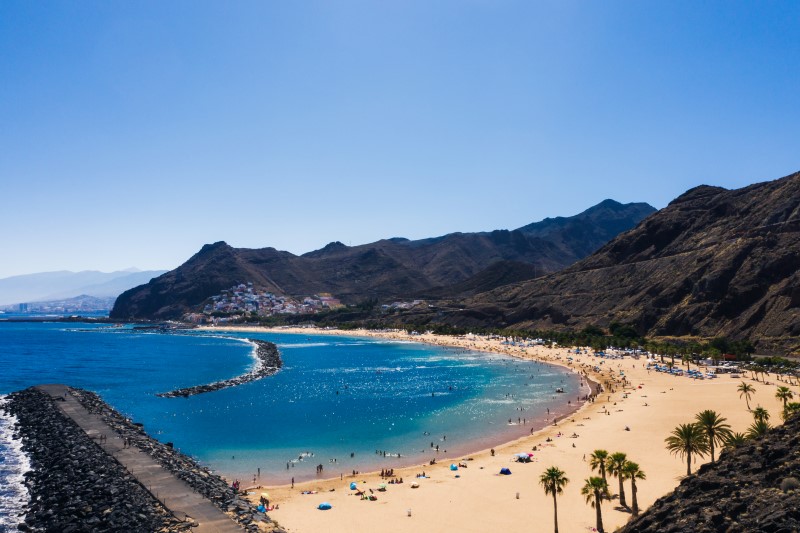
(339, 402)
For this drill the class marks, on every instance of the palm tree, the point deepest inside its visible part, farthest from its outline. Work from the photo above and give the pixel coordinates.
(735, 440)
(792, 408)
(758, 429)
(760, 414)
(593, 490)
(784, 394)
(632, 471)
(553, 480)
(685, 440)
(614, 464)
(714, 428)
(746, 390)
(597, 461)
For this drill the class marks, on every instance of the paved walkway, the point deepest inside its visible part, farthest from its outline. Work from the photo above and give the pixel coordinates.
(174, 493)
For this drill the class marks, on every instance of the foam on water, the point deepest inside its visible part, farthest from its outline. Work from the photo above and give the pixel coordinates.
(14, 463)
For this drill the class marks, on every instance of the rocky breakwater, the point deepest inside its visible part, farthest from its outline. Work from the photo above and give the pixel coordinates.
(200, 478)
(755, 487)
(74, 485)
(268, 363)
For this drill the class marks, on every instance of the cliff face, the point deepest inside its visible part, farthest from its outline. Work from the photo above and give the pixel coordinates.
(714, 262)
(753, 488)
(390, 268)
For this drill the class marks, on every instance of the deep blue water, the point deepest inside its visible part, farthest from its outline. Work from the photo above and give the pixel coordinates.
(335, 395)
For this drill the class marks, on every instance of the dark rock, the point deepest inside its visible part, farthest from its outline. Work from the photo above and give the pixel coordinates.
(729, 497)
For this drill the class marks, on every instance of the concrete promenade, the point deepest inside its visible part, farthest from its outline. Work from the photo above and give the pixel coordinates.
(173, 493)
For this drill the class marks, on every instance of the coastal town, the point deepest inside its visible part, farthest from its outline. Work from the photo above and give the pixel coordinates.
(245, 299)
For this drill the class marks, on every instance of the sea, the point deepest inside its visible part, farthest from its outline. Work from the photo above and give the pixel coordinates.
(339, 402)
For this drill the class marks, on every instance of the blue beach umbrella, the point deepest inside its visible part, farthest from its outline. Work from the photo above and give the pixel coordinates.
(453, 467)
(324, 506)
(353, 486)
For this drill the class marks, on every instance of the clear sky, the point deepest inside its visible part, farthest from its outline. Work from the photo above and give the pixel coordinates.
(131, 133)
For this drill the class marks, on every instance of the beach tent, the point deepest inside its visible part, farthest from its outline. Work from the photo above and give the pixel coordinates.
(453, 467)
(324, 506)
(353, 486)
(505, 472)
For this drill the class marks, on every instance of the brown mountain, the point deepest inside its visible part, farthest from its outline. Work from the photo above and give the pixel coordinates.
(714, 262)
(390, 268)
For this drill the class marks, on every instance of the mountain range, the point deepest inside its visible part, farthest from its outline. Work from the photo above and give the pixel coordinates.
(63, 284)
(714, 262)
(451, 265)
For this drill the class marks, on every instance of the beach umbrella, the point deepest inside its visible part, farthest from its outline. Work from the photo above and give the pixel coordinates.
(382, 486)
(353, 486)
(324, 506)
(453, 467)
(414, 485)
(265, 495)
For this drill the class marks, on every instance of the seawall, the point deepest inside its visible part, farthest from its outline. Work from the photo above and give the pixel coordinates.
(269, 362)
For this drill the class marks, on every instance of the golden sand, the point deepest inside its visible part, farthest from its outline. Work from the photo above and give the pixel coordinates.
(481, 500)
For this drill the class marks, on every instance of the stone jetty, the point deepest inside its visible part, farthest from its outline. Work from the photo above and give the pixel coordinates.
(74, 485)
(95, 470)
(269, 362)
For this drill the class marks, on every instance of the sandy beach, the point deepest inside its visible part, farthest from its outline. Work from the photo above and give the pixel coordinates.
(477, 498)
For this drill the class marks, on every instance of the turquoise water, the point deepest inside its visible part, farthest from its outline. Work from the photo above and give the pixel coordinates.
(335, 396)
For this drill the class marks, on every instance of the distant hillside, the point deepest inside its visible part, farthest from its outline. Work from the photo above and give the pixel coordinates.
(48, 286)
(390, 268)
(75, 305)
(714, 262)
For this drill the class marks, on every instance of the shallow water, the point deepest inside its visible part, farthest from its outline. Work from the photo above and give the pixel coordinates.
(335, 396)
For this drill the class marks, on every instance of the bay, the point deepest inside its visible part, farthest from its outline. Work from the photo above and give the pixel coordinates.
(339, 402)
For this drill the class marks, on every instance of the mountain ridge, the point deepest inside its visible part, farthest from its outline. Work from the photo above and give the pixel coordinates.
(714, 262)
(388, 268)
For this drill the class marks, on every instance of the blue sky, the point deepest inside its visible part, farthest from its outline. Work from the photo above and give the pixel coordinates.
(131, 133)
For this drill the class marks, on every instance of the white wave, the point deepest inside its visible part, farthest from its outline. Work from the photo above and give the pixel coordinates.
(14, 496)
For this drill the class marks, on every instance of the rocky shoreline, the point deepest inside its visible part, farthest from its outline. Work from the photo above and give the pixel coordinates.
(200, 478)
(269, 362)
(74, 485)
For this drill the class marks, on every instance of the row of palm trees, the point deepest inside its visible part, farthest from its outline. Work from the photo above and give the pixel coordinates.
(595, 488)
(783, 393)
(710, 430)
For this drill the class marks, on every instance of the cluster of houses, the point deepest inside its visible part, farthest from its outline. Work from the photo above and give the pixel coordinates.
(247, 300)
(401, 305)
